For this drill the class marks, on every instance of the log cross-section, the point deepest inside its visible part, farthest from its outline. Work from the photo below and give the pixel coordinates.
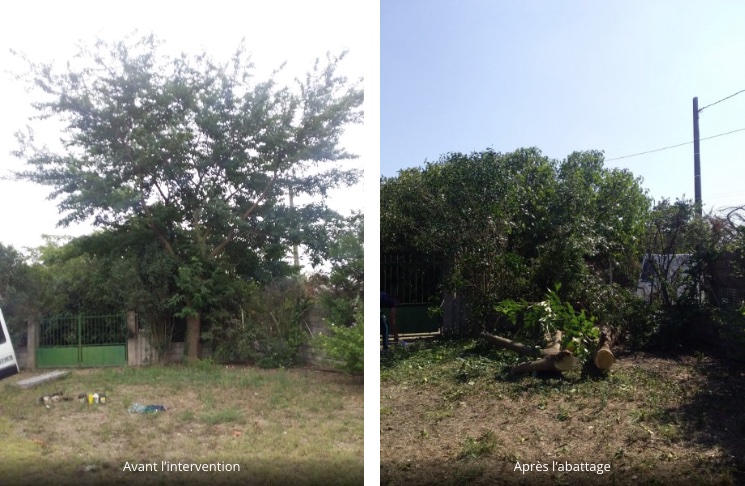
(604, 358)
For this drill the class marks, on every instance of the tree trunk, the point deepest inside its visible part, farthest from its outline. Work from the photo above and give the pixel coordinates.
(518, 348)
(604, 358)
(561, 361)
(550, 358)
(193, 326)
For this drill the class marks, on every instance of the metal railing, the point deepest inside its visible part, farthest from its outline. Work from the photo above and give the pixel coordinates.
(83, 330)
(410, 279)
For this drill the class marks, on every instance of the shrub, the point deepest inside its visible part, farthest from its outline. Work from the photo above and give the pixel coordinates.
(344, 345)
(270, 329)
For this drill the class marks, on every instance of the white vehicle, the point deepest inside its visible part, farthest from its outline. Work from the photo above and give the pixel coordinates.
(8, 363)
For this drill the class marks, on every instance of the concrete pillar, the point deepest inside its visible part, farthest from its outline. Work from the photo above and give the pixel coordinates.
(32, 342)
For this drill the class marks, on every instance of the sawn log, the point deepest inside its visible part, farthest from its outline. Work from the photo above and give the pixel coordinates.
(550, 358)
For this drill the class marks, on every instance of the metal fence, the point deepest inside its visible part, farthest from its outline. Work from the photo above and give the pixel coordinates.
(729, 298)
(76, 330)
(410, 279)
(82, 341)
(413, 281)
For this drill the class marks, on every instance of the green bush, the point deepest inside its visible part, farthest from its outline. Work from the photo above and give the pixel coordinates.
(635, 321)
(344, 345)
(270, 329)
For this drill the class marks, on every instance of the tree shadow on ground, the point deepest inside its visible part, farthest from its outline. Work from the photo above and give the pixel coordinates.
(712, 413)
(715, 415)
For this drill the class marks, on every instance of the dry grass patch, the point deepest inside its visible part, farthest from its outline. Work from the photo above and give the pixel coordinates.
(279, 426)
(450, 414)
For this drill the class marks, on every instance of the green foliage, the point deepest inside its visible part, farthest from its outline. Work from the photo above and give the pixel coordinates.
(195, 154)
(537, 320)
(669, 232)
(538, 221)
(74, 280)
(341, 296)
(484, 445)
(687, 300)
(270, 329)
(341, 290)
(19, 289)
(344, 346)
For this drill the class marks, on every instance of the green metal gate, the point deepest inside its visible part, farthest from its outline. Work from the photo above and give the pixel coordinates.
(413, 280)
(85, 341)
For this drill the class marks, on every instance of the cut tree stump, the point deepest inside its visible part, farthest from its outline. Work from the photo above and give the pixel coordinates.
(604, 358)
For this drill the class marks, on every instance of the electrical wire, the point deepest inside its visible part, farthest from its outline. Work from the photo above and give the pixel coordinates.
(674, 146)
(728, 97)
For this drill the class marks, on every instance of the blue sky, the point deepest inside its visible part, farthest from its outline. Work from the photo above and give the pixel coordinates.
(617, 76)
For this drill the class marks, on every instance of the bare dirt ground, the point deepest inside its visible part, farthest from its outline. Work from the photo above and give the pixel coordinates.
(450, 414)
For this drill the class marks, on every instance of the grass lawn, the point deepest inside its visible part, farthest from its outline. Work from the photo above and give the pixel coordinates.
(450, 414)
(279, 426)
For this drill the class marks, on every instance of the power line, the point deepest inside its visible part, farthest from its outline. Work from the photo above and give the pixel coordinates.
(728, 97)
(676, 145)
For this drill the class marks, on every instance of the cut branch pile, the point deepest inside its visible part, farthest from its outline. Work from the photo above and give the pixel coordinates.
(552, 357)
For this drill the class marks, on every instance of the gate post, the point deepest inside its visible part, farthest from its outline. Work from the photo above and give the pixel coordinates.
(133, 355)
(32, 342)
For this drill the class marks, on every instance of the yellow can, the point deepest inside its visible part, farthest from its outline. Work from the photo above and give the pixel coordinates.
(90, 399)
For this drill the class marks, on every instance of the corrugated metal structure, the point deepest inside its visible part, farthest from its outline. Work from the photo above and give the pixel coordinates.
(657, 268)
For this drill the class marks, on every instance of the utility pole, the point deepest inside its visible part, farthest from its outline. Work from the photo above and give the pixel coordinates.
(696, 160)
(697, 177)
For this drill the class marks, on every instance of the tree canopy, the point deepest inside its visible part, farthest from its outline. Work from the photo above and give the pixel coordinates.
(512, 225)
(193, 155)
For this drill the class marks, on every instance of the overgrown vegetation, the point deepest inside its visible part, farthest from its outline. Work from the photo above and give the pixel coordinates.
(270, 330)
(184, 163)
(256, 321)
(540, 222)
(572, 222)
(529, 246)
(344, 346)
(342, 299)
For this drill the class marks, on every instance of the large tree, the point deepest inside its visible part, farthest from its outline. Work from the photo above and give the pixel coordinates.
(197, 154)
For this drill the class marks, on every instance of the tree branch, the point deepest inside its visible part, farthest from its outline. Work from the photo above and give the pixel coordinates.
(234, 232)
